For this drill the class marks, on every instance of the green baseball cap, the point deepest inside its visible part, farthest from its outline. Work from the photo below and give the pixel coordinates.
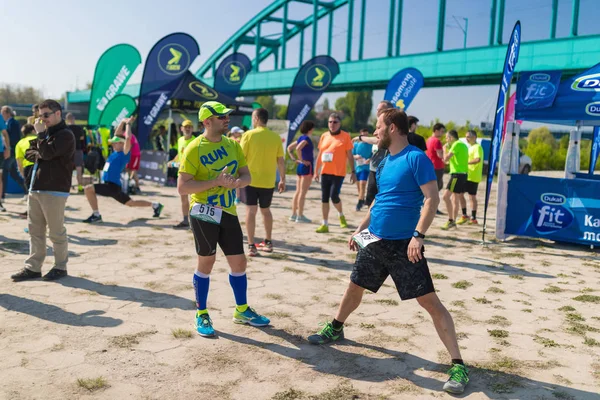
(211, 108)
(116, 139)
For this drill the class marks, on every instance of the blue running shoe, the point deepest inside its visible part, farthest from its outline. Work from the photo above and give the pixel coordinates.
(250, 317)
(204, 326)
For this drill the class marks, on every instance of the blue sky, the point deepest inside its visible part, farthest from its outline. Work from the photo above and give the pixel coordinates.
(59, 51)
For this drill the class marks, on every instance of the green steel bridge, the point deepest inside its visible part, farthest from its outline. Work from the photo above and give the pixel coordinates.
(469, 66)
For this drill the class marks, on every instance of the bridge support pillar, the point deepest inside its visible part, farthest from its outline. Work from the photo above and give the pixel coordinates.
(441, 25)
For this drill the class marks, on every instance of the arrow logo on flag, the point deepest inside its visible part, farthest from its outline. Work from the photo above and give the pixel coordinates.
(176, 56)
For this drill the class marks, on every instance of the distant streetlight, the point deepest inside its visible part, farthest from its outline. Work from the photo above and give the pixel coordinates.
(465, 29)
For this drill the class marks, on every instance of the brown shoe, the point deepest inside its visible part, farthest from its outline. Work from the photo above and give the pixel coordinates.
(55, 274)
(25, 274)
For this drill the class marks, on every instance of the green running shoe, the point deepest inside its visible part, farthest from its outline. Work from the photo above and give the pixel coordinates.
(326, 335)
(343, 223)
(250, 317)
(457, 382)
(323, 229)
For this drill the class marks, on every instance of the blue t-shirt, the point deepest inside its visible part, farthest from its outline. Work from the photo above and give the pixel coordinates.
(2, 128)
(366, 152)
(308, 150)
(398, 204)
(114, 166)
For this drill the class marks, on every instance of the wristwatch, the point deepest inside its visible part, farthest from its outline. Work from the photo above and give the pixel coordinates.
(417, 234)
(360, 138)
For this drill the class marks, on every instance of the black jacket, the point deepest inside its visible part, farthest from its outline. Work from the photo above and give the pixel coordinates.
(53, 151)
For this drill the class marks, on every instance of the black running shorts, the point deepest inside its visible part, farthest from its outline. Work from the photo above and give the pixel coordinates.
(256, 196)
(331, 185)
(110, 189)
(471, 187)
(457, 183)
(439, 175)
(389, 257)
(228, 234)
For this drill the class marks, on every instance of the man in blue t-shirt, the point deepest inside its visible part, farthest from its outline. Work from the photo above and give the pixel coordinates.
(362, 153)
(111, 176)
(390, 241)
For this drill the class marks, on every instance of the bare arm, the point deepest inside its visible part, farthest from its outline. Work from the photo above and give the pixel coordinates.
(361, 227)
(432, 200)
(291, 148)
(366, 139)
(244, 178)
(299, 150)
(475, 161)
(187, 185)
(440, 153)
(128, 134)
(20, 165)
(448, 156)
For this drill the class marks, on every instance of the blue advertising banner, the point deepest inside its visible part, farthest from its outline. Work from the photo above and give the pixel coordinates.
(311, 81)
(512, 56)
(403, 87)
(577, 101)
(167, 63)
(231, 74)
(557, 209)
(595, 149)
(537, 89)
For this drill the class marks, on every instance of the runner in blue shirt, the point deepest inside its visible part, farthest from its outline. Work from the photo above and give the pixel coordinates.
(390, 241)
(111, 175)
(362, 160)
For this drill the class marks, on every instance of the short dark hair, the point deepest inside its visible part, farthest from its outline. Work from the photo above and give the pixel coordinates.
(453, 133)
(412, 120)
(307, 126)
(27, 129)
(35, 107)
(439, 126)
(262, 114)
(364, 130)
(393, 116)
(53, 105)
(472, 132)
(69, 116)
(387, 103)
(335, 115)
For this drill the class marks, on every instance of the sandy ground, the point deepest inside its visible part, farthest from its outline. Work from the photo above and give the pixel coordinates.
(121, 325)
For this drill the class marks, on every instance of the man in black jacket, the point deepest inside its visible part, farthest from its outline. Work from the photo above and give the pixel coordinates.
(52, 154)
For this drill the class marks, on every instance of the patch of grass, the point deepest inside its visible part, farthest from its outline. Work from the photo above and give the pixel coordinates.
(387, 302)
(552, 289)
(574, 317)
(495, 290)
(515, 254)
(332, 278)
(184, 257)
(279, 256)
(57, 347)
(517, 277)
(498, 333)
(367, 326)
(337, 240)
(181, 333)
(343, 391)
(566, 308)
(596, 370)
(527, 310)
(315, 298)
(458, 303)
(482, 300)
(274, 296)
(499, 320)
(439, 276)
(293, 270)
(279, 314)
(290, 394)
(580, 329)
(588, 298)
(129, 340)
(505, 387)
(562, 380)
(92, 384)
(153, 285)
(591, 342)
(562, 395)
(545, 341)
(321, 269)
(545, 263)
(461, 284)
(84, 276)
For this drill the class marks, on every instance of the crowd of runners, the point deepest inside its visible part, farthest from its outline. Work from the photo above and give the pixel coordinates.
(398, 175)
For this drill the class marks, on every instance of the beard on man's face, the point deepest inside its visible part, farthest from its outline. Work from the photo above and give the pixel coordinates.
(384, 139)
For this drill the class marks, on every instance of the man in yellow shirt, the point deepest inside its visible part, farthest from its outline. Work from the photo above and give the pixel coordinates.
(212, 167)
(187, 128)
(24, 164)
(264, 151)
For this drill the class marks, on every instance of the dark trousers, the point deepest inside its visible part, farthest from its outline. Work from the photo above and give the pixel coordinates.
(11, 167)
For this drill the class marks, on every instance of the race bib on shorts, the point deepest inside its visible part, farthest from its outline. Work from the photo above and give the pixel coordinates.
(207, 213)
(365, 238)
(327, 157)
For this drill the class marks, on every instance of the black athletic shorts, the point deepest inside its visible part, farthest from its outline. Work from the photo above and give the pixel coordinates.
(457, 183)
(331, 186)
(471, 187)
(256, 196)
(439, 174)
(228, 234)
(371, 188)
(110, 189)
(389, 257)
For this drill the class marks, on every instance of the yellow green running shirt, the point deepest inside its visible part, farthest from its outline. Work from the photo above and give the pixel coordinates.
(205, 160)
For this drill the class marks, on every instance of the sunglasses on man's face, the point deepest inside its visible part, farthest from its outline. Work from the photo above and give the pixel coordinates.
(47, 114)
(334, 122)
(221, 117)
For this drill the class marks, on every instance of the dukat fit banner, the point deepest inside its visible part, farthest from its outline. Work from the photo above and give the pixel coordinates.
(403, 87)
(113, 70)
(512, 56)
(311, 81)
(231, 74)
(166, 66)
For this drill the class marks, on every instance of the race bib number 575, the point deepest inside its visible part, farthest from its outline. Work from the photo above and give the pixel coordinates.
(207, 213)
